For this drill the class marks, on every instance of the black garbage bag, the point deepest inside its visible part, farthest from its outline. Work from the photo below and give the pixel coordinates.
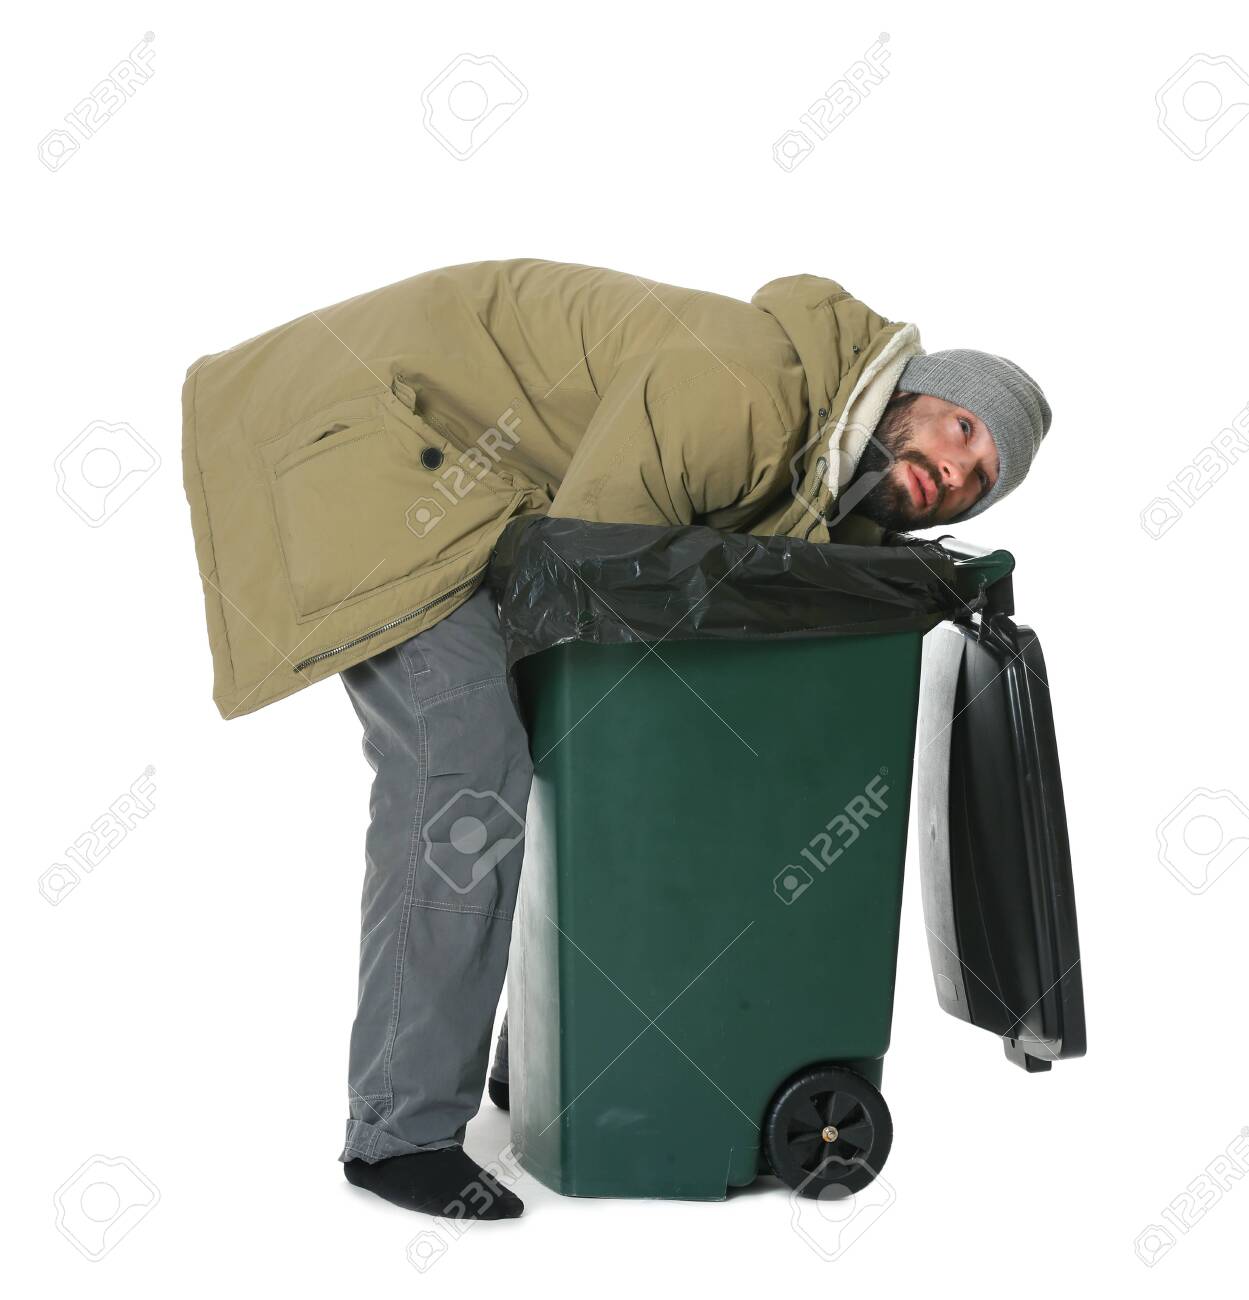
(560, 580)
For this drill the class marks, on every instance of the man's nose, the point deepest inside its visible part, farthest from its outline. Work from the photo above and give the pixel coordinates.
(953, 473)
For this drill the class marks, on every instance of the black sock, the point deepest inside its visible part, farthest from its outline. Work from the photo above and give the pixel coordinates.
(445, 1182)
(499, 1092)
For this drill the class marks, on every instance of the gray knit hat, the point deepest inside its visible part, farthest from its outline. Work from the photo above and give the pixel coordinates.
(1008, 401)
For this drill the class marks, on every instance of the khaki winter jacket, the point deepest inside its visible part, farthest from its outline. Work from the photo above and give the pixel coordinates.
(349, 472)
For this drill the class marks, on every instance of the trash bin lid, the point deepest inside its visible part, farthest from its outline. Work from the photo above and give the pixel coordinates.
(995, 861)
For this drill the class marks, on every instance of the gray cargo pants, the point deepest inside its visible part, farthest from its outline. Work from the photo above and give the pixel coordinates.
(442, 865)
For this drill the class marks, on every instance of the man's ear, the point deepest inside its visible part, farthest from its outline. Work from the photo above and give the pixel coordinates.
(900, 397)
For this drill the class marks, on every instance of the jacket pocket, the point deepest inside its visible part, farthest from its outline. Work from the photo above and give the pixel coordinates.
(358, 505)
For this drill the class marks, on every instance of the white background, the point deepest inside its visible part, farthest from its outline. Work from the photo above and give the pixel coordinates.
(1007, 187)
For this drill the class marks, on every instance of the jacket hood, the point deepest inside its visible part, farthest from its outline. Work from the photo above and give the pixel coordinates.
(803, 307)
(852, 358)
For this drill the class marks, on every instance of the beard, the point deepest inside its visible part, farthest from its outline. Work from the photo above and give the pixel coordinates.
(886, 501)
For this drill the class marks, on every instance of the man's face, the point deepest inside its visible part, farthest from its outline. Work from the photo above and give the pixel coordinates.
(943, 461)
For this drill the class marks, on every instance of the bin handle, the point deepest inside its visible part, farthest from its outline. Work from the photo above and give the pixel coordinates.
(983, 576)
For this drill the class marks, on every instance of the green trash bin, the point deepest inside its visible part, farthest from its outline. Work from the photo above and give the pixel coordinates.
(723, 732)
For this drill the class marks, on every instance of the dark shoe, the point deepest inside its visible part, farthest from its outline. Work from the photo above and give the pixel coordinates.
(446, 1182)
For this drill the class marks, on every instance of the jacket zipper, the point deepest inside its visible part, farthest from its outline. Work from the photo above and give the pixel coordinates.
(385, 627)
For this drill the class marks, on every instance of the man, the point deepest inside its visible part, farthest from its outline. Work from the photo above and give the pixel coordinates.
(349, 473)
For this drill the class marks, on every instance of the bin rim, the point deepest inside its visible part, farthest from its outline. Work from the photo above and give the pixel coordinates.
(558, 581)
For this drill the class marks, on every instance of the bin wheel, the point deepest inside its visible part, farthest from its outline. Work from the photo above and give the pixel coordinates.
(827, 1128)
